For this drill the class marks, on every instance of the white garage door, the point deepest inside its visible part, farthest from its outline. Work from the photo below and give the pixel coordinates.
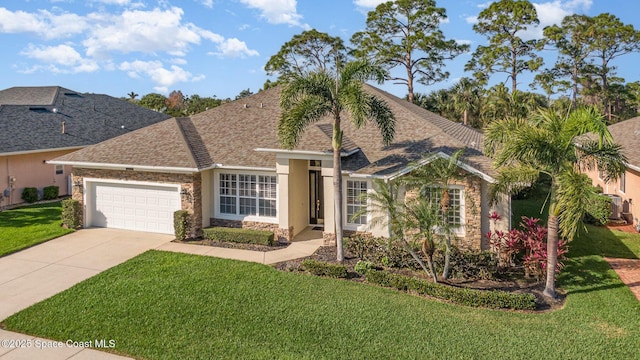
(134, 207)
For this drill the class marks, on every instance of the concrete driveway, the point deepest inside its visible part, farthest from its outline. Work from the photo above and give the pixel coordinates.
(34, 274)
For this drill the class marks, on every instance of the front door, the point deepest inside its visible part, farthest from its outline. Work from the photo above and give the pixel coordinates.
(316, 208)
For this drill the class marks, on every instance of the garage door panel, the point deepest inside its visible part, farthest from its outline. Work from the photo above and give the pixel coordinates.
(134, 207)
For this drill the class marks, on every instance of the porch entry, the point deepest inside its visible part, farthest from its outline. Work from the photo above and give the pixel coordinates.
(316, 198)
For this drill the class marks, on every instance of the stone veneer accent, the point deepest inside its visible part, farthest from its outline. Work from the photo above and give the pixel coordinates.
(280, 234)
(191, 182)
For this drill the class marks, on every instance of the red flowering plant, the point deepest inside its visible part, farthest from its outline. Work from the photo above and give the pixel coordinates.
(526, 246)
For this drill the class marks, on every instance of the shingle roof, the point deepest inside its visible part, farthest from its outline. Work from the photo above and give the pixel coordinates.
(229, 134)
(31, 118)
(627, 134)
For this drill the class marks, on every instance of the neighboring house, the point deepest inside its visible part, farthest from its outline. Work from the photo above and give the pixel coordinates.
(41, 123)
(225, 166)
(625, 191)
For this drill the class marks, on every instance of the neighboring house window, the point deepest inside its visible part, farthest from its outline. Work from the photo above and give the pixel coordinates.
(456, 210)
(247, 194)
(355, 203)
(623, 183)
(59, 169)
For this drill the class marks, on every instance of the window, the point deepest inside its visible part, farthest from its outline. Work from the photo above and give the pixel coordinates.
(247, 195)
(456, 215)
(355, 203)
(623, 183)
(59, 169)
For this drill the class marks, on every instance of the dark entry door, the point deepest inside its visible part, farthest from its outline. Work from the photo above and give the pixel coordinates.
(316, 208)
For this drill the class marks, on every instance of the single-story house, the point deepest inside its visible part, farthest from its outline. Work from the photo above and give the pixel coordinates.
(41, 123)
(226, 167)
(625, 191)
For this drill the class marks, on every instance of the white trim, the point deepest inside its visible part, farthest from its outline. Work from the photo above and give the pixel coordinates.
(90, 165)
(633, 167)
(307, 152)
(242, 168)
(459, 230)
(346, 224)
(622, 181)
(41, 151)
(430, 158)
(215, 203)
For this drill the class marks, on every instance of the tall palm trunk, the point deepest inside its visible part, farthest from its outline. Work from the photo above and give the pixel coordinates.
(337, 187)
(552, 256)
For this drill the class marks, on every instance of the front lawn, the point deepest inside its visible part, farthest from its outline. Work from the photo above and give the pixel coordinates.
(163, 305)
(30, 225)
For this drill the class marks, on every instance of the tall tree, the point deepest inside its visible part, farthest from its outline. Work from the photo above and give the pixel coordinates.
(153, 101)
(571, 38)
(502, 23)
(307, 98)
(466, 97)
(610, 39)
(309, 51)
(132, 95)
(547, 143)
(244, 93)
(406, 34)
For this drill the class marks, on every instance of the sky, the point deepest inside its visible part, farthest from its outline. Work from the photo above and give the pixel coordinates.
(219, 47)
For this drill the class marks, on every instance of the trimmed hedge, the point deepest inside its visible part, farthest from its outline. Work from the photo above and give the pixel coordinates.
(246, 236)
(320, 268)
(71, 214)
(462, 296)
(181, 224)
(50, 192)
(30, 194)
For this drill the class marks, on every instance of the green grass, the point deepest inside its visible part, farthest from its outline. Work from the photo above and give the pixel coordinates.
(163, 305)
(30, 225)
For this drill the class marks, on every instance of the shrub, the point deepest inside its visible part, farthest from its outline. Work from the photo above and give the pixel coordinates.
(71, 214)
(598, 211)
(237, 235)
(362, 267)
(320, 268)
(461, 296)
(381, 251)
(50, 192)
(181, 224)
(30, 194)
(468, 264)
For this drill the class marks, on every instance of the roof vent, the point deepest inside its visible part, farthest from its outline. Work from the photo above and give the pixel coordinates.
(245, 106)
(38, 109)
(62, 132)
(54, 110)
(261, 105)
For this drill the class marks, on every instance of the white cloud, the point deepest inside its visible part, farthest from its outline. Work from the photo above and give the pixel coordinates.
(471, 19)
(368, 4)
(234, 48)
(43, 23)
(552, 13)
(61, 55)
(463, 42)
(164, 78)
(207, 3)
(277, 11)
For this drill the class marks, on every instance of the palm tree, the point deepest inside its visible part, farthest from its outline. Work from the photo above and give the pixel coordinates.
(547, 143)
(308, 98)
(465, 97)
(439, 174)
(132, 95)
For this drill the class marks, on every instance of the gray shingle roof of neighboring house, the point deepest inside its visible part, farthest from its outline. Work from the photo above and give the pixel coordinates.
(627, 134)
(229, 135)
(31, 118)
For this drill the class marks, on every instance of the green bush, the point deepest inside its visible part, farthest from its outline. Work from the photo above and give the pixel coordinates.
(598, 210)
(236, 235)
(71, 214)
(381, 251)
(461, 296)
(320, 268)
(30, 194)
(50, 192)
(181, 224)
(362, 267)
(468, 264)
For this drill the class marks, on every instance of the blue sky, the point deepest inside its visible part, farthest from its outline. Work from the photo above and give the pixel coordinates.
(216, 47)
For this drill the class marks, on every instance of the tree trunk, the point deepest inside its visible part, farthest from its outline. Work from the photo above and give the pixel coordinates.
(465, 117)
(337, 187)
(407, 64)
(417, 258)
(552, 256)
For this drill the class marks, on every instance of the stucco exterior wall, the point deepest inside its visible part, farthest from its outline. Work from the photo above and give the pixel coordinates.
(30, 170)
(191, 183)
(630, 196)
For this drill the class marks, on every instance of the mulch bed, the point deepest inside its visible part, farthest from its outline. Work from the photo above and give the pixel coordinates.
(513, 283)
(232, 245)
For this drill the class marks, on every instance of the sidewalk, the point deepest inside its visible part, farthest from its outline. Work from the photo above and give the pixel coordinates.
(629, 272)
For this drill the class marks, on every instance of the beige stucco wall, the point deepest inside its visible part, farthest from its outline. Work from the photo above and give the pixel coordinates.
(502, 207)
(631, 195)
(298, 195)
(30, 170)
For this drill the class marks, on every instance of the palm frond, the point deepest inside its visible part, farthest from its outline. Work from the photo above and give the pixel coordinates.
(295, 119)
(497, 133)
(573, 195)
(605, 157)
(510, 180)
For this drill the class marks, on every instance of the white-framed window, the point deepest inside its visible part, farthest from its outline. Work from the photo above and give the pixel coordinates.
(59, 169)
(456, 209)
(243, 195)
(355, 203)
(623, 183)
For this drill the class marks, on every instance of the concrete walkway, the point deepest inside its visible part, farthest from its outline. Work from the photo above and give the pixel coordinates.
(34, 274)
(629, 272)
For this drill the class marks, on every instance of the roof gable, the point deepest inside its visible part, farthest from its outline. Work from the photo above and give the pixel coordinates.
(627, 134)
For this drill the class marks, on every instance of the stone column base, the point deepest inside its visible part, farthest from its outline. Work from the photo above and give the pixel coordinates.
(329, 238)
